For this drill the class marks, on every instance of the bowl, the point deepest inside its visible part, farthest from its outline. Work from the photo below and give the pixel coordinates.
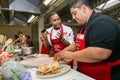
(27, 50)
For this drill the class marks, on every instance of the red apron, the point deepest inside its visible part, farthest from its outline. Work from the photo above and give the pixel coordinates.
(97, 70)
(58, 45)
(44, 50)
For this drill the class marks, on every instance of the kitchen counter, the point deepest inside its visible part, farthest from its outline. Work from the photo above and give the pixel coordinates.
(70, 75)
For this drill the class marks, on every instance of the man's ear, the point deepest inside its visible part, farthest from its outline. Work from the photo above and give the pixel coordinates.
(84, 8)
(49, 22)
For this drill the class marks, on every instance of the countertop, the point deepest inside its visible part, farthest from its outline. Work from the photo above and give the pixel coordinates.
(70, 75)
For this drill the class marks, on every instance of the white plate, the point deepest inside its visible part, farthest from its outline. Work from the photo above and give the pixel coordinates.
(65, 69)
(35, 62)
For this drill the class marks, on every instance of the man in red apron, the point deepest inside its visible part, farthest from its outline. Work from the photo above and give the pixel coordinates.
(59, 36)
(97, 43)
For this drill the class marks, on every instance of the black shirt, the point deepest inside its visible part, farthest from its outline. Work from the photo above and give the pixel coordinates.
(103, 31)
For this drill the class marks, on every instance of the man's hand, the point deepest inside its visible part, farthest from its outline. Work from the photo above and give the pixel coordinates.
(44, 36)
(57, 57)
(59, 36)
(62, 55)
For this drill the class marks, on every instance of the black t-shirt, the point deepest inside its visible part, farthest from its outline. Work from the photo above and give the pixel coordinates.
(102, 31)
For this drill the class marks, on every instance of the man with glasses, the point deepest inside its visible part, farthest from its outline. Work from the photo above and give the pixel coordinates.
(97, 43)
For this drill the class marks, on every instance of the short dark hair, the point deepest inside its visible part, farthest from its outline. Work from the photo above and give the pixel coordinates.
(15, 36)
(20, 32)
(78, 3)
(51, 14)
(28, 36)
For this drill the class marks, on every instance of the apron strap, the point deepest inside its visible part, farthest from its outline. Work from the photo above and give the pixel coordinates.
(115, 63)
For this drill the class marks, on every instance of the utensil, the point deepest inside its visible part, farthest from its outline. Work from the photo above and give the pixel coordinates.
(2, 39)
(10, 40)
(15, 40)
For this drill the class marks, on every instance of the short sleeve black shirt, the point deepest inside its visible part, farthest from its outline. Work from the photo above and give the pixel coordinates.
(102, 31)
